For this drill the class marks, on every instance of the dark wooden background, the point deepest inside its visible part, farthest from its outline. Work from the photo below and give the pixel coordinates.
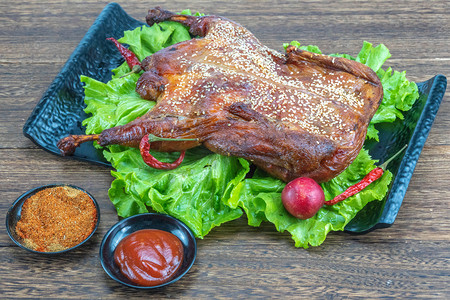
(408, 260)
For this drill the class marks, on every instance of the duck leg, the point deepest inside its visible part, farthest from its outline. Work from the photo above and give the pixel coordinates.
(130, 135)
(68, 144)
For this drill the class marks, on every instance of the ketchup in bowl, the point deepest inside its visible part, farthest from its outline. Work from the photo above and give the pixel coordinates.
(149, 257)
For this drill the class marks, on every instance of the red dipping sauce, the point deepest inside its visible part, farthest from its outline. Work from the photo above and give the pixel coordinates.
(149, 257)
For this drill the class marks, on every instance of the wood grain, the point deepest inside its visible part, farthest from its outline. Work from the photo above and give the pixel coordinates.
(411, 259)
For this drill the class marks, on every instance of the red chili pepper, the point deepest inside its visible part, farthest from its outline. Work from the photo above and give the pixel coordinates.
(368, 179)
(151, 161)
(131, 58)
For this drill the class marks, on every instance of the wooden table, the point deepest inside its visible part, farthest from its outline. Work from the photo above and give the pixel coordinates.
(408, 260)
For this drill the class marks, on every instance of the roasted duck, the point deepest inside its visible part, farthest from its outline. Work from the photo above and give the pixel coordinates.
(293, 114)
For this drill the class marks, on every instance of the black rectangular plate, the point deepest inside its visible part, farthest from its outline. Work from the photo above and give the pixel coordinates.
(61, 111)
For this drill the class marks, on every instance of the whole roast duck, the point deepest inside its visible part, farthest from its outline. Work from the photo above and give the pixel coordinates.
(293, 114)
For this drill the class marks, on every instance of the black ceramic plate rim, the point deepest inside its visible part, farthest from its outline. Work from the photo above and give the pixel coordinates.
(147, 215)
(392, 201)
(416, 144)
(22, 198)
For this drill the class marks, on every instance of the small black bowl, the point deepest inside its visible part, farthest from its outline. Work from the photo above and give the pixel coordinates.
(146, 221)
(15, 211)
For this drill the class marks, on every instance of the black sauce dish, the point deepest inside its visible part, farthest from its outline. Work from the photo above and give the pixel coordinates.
(15, 211)
(147, 221)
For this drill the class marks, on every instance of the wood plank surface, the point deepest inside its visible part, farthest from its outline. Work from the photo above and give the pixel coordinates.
(410, 259)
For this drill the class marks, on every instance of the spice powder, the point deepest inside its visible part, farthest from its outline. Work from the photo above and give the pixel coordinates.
(57, 218)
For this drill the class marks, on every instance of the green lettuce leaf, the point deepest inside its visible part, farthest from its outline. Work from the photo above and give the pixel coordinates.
(113, 103)
(399, 93)
(373, 57)
(399, 96)
(145, 40)
(310, 48)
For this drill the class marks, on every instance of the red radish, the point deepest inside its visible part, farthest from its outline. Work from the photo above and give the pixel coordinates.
(303, 197)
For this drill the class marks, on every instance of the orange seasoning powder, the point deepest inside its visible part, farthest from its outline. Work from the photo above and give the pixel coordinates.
(56, 218)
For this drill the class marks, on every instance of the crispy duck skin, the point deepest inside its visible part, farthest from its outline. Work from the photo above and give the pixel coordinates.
(293, 114)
